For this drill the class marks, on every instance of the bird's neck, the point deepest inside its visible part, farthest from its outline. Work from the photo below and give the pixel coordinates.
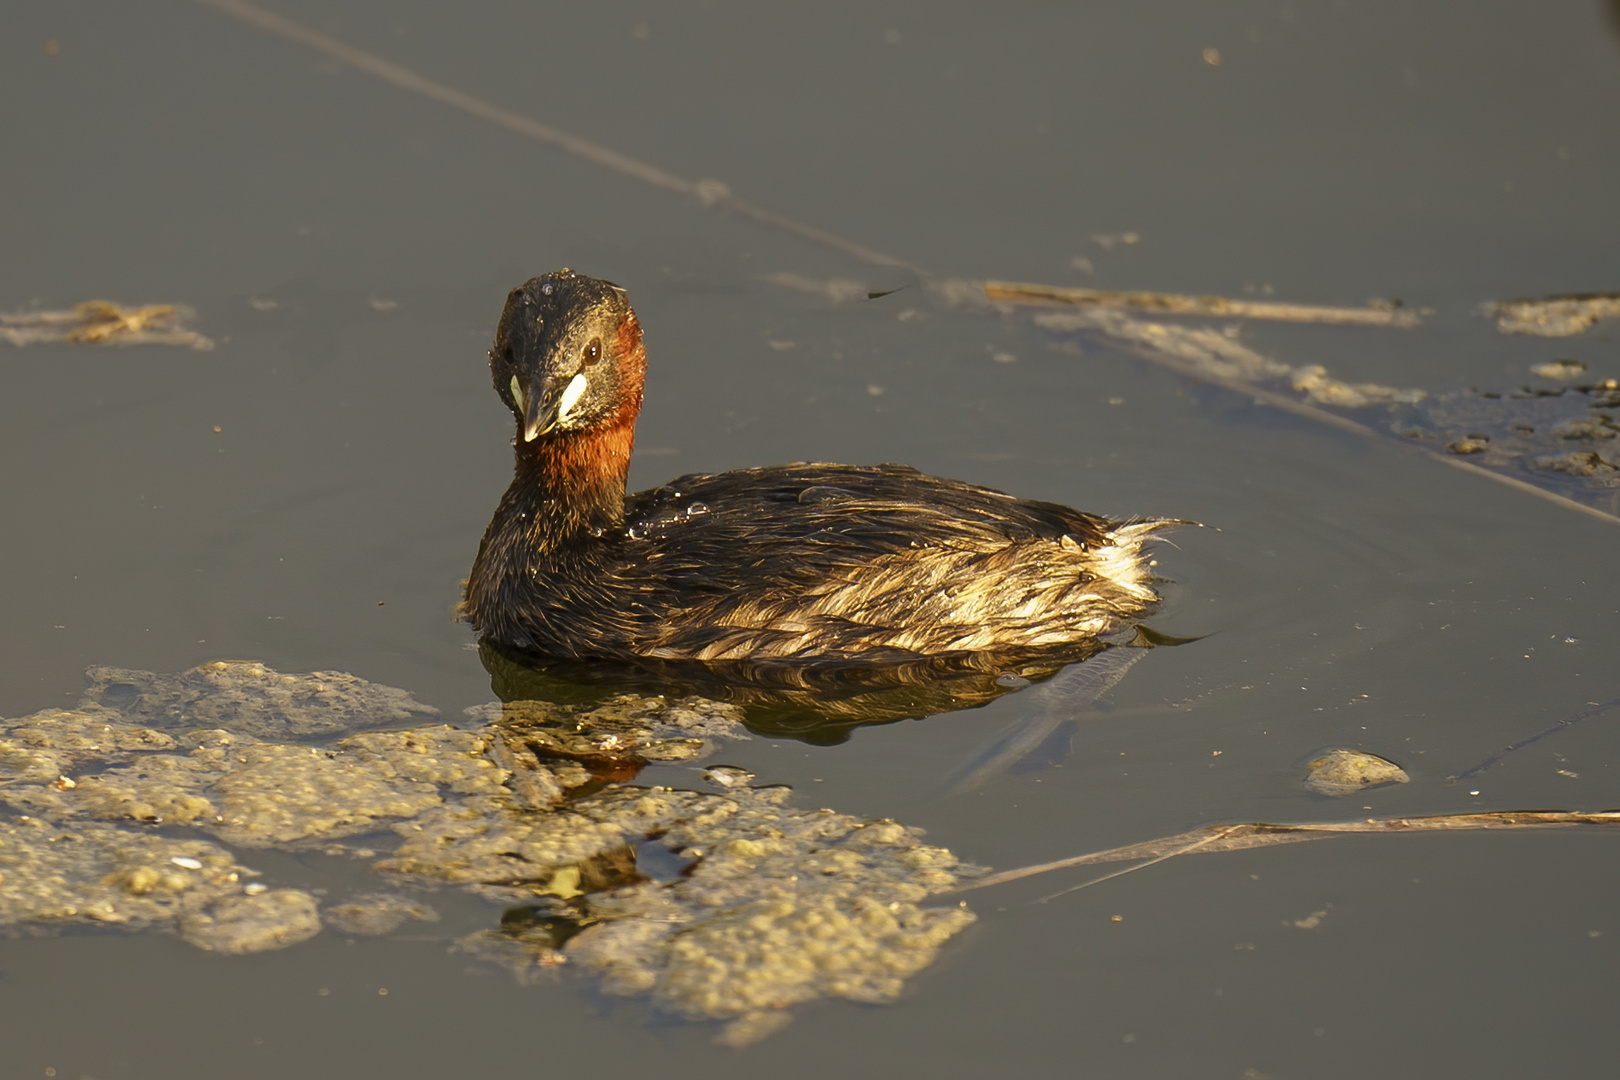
(570, 485)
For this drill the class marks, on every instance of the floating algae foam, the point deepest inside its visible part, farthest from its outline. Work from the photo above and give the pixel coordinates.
(135, 810)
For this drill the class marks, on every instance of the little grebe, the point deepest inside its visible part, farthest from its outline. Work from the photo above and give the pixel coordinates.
(800, 563)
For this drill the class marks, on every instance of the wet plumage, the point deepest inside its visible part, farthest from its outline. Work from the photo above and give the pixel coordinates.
(801, 563)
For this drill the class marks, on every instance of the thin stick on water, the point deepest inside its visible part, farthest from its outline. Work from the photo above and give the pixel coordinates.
(1018, 292)
(1255, 834)
(1132, 869)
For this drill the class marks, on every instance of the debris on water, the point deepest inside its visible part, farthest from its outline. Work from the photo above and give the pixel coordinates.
(1343, 772)
(1553, 316)
(1503, 436)
(1313, 921)
(1585, 464)
(1109, 241)
(1526, 434)
(101, 322)
(1564, 370)
(1595, 427)
(1313, 381)
(1209, 352)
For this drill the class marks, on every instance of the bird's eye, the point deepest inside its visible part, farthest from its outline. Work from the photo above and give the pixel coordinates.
(593, 351)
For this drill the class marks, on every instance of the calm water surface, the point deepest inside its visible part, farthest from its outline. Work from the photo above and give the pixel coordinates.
(1351, 594)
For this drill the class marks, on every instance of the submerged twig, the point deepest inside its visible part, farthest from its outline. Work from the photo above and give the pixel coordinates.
(1016, 292)
(708, 191)
(1562, 725)
(1254, 834)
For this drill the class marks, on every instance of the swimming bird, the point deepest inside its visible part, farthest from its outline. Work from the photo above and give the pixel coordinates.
(798, 564)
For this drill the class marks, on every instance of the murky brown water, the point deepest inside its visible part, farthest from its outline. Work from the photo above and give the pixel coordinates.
(1352, 594)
